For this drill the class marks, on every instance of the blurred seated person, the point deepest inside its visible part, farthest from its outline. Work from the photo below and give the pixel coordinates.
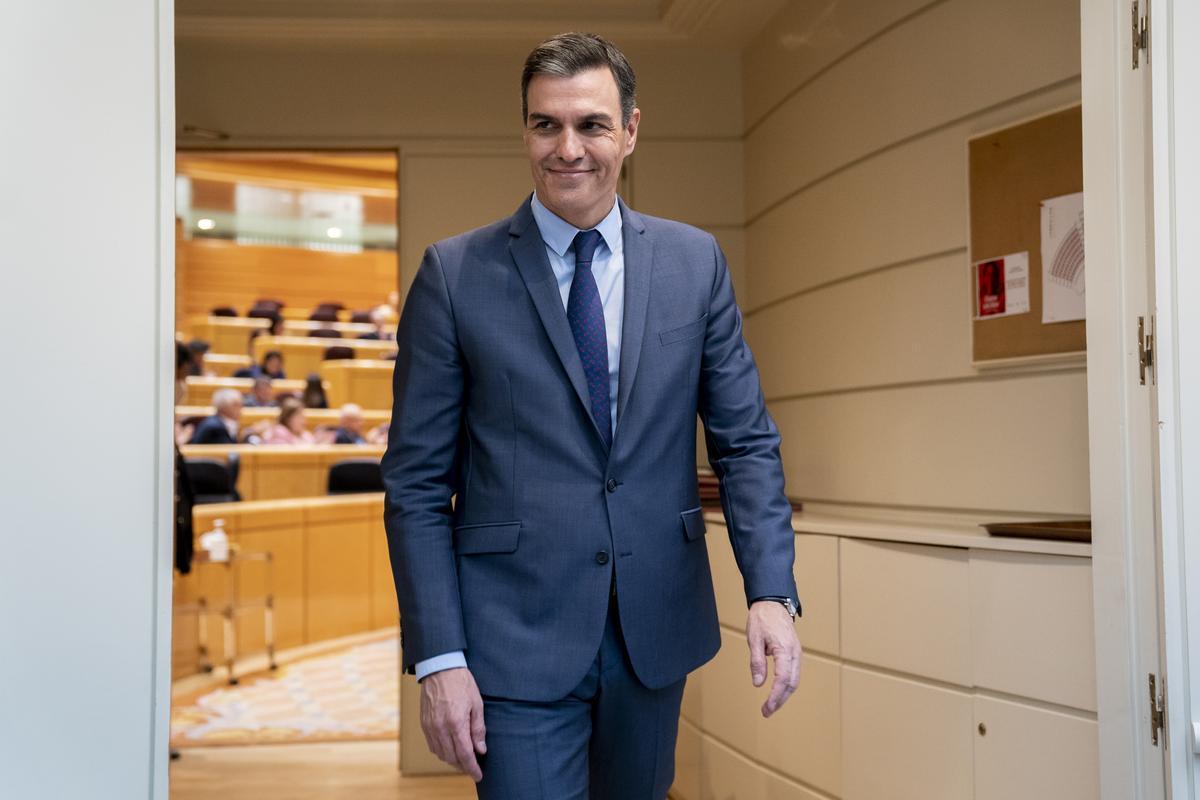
(196, 349)
(379, 318)
(261, 395)
(350, 427)
(222, 427)
(290, 428)
(314, 392)
(271, 368)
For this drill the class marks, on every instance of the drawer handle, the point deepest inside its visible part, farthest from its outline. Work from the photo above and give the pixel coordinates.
(982, 729)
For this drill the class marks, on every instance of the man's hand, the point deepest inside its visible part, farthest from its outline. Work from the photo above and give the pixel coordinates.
(771, 631)
(452, 719)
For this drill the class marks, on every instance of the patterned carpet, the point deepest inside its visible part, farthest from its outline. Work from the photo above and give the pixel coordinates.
(348, 694)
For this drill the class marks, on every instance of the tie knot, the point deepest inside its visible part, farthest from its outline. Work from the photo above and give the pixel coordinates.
(585, 246)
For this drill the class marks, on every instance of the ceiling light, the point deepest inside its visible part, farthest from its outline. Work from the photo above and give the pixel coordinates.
(205, 224)
(334, 233)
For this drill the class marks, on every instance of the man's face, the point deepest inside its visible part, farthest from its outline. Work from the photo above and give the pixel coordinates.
(353, 423)
(232, 409)
(576, 143)
(262, 391)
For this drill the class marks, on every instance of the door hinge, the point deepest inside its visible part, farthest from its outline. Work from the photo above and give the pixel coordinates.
(1145, 346)
(1141, 33)
(1158, 710)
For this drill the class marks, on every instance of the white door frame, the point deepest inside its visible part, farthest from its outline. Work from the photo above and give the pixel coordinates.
(1176, 136)
(1121, 444)
(164, 584)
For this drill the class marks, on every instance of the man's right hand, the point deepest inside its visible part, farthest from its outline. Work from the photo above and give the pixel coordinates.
(452, 719)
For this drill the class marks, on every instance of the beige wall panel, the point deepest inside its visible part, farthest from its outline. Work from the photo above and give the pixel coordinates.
(904, 740)
(816, 574)
(904, 203)
(726, 775)
(804, 38)
(1031, 627)
(445, 195)
(801, 740)
(907, 608)
(697, 182)
(901, 85)
(686, 93)
(1033, 753)
(1018, 444)
(901, 325)
(397, 92)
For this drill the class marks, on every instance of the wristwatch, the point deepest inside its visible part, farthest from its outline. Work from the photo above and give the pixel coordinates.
(786, 602)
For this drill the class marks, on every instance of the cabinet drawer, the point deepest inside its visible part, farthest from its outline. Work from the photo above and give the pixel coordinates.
(906, 607)
(1033, 753)
(1031, 626)
(903, 739)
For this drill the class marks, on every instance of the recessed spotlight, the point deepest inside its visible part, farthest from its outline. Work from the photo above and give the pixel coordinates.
(334, 233)
(205, 224)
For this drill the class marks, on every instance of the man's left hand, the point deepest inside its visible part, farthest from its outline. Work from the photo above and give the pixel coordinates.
(770, 631)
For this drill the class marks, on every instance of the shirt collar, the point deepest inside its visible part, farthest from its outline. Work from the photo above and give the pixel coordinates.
(558, 234)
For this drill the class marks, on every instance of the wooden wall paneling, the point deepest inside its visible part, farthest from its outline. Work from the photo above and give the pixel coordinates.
(338, 539)
(200, 388)
(303, 356)
(898, 87)
(897, 326)
(797, 45)
(1017, 442)
(368, 383)
(223, 273)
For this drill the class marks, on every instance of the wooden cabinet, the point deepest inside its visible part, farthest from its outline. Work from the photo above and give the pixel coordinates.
(904, 739)
(1031, 627)
(1034, 753)
(912, 647)
(905, 607)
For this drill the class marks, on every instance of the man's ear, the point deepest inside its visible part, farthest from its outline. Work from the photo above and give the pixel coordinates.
(631, 129)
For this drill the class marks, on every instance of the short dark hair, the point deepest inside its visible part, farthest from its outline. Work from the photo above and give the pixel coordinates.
(568, 54)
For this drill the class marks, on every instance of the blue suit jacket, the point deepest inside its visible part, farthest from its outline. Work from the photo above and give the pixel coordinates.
(211, 430)
(491, 406)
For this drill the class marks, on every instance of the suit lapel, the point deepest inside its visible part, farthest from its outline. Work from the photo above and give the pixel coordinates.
(639, 265)
(529, 252)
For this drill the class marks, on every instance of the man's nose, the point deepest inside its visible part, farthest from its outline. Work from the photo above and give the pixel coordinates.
(570, 145)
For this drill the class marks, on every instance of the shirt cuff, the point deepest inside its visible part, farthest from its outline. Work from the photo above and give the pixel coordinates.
(445, 661)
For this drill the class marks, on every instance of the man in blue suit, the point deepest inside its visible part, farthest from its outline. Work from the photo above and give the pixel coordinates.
(543, 515)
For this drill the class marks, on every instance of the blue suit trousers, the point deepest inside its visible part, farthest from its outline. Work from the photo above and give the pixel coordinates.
(611, 738)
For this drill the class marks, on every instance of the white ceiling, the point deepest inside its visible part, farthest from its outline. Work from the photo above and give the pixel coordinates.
(720, 23)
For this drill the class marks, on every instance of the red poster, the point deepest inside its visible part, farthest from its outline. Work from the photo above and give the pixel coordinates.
(989, 281)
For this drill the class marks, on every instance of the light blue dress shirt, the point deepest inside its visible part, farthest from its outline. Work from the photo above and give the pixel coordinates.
(608, 267)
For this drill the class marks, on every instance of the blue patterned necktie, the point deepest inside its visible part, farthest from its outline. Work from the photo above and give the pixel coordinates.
(586, 315)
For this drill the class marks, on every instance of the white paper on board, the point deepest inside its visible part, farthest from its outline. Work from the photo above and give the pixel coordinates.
(1062, 259)
(1001, 286)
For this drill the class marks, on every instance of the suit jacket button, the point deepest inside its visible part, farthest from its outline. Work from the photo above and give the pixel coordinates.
(602, 557)
(611, 485)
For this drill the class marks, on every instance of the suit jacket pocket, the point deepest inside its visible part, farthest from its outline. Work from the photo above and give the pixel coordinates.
(486, 537)
(693, 523)
(684, 331)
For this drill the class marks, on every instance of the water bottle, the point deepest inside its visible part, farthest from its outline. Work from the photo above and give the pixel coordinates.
(216, 542)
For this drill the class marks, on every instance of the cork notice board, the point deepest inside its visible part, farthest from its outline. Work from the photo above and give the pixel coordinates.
(1010, 172)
